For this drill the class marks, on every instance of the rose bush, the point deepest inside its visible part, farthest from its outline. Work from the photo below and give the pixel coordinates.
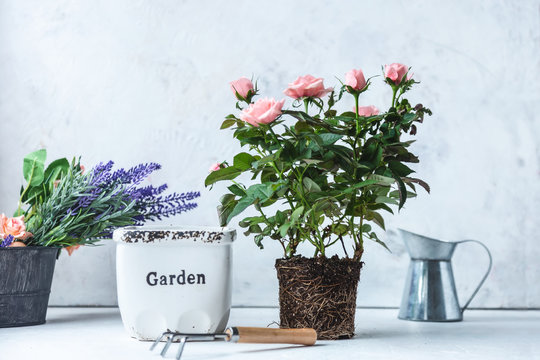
(332, 173)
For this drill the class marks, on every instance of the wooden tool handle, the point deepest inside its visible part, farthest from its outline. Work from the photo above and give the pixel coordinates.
(271, 336)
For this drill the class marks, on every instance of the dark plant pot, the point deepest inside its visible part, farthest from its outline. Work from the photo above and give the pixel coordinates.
(318, 293)
(25, 284)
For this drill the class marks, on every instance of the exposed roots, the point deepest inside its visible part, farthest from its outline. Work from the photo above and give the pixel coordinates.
(319, 293)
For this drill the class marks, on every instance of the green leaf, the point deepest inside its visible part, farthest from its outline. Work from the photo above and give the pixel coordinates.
(56, 170)
(375, 238)
(227, 198)
(402, 192)
(302, 126)
(385, 200)
(419, 182)
(340, 229)
(266, 159)
(382, 180)
(33, 194)
(242, 205)
(34, 167)
(280, 217)
(310, 185)
(237, 190)
(296, 214)
(328, 138)
(366, 228)
(284, 228)
(399, 169)
(376, 218)
(360, 185)
(225, 210)
(227, 173)
(243, 161)
(258, 241)
(227, 123)
(381, 206)
(262, 192)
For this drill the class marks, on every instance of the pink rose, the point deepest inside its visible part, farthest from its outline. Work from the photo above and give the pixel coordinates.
(264, 111)
(395, 72)
(13, 226)
(242, 87)
(307, 86)
(367, 110)
(355, 79)
(215, 167)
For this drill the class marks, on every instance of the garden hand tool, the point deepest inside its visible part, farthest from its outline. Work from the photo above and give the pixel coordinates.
(254, 335)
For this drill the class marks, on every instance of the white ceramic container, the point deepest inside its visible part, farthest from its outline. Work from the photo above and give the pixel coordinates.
(173, 278)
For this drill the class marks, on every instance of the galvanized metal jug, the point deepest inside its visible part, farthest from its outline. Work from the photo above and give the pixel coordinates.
(430, 292)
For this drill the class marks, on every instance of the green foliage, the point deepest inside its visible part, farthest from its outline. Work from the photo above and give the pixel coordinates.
(40, 181)
(333, 174)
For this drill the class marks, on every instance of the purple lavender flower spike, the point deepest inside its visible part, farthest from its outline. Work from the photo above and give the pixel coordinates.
(7, 241)
(149, 202)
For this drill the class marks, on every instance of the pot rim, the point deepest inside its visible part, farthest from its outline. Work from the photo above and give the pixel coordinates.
(174, 234)
(31, 247)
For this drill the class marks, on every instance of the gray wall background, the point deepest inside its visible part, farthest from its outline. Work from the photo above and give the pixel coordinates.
(139, 81)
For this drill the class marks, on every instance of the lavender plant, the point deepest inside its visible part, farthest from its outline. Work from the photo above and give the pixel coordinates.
(66, 207)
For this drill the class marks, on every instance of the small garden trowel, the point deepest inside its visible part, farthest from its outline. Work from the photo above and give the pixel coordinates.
(254, 335)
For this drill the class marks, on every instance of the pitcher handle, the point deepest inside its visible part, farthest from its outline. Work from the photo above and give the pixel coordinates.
(485, 275)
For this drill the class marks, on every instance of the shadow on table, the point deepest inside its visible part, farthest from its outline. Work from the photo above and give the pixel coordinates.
(260, 351)
(87, 317)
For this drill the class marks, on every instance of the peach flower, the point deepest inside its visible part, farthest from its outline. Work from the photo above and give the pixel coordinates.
(355, 79)
(72, 248)
(242, 87)
(367, 110)
(17, 244)
(395, 72)
(307, 86)
(13, 226)
(263, 111)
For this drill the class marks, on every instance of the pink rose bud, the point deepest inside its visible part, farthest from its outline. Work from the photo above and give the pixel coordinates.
(395, 72)
(264, 111)
(82, 168)
(355, 79)
(367, 110)
(215, 167)
(241, 87)
(13, 226)
(307, 86)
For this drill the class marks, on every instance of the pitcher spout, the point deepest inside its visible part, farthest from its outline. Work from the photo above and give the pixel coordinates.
(425, 248)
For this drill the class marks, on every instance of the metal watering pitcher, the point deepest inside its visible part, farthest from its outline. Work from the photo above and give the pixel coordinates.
(430, 292)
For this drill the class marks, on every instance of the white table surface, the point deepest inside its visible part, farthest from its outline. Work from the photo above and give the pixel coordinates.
(98, 333)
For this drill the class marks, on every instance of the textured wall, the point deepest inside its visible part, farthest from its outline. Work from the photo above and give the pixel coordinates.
(136, 81)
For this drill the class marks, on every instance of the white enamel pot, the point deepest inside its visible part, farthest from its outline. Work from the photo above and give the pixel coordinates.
(173, 279)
